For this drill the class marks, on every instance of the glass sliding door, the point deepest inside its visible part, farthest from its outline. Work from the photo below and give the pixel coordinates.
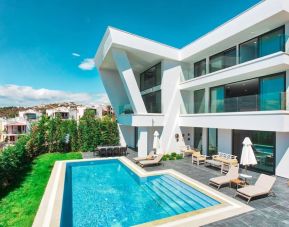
(263, 146)
(223, 60)
(212, 141)
(199, 101)
(198, 135)
(242, 96)
(152, 102)
(272, 42)
(217, 95)
(200, 68)
(230, 58)
(271, 92)
(248, 50)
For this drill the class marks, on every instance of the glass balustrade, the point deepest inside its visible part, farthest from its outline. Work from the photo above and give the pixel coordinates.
(260, 46)
(263, 102)
(125, 109)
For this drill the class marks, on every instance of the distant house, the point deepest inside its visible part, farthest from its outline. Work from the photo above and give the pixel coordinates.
(81, 110)
(64, 113)
(30, 115)
(11, 129)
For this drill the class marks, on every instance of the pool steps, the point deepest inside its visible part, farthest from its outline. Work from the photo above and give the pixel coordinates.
(175, 196)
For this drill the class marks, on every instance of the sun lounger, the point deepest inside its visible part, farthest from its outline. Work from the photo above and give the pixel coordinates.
(233, 173)
(263, 186)
(150, 156)
(155, 161)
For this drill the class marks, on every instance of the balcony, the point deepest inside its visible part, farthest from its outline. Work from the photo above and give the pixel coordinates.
(267, 65)
(265, 102)
(253, 112)
(125, 109)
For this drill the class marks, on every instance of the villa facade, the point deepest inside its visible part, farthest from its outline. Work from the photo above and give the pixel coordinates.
(11, 129)
(30, 115)
(229, 84)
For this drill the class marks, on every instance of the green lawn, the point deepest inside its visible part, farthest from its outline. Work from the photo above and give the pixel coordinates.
(19, 207)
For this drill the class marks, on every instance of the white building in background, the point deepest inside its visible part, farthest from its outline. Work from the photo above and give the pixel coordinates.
(11, 129)
(95, 109)
(211, 94)
(30, 115)
(64, 112)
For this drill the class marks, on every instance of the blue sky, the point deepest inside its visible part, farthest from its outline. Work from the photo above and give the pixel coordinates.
(42, 43)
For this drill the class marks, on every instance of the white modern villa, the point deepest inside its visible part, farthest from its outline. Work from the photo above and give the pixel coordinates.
(229, 84)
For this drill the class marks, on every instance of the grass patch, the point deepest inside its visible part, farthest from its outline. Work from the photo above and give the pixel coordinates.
(19, 207)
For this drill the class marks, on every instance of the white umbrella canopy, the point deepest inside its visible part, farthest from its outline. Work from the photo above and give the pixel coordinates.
(248, 156)
(156, 143)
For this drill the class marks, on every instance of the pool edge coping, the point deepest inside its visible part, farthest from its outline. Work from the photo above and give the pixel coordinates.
(49, 211)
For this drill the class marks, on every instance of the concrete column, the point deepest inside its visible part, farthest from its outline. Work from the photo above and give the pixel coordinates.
(282, 154)
(205, 141)
(128, 80)
(286, 96)
(207, 99)
(287, 37)
(142, 141)
(207, 65)
(114, 88)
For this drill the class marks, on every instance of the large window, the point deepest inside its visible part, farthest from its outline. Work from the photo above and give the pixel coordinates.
(152, 102)
(223, 60)
(259, 94)
(199, 101)
(262, 45)
(198, 135)
(248, 50)
(272, 42)
(272, 92)
(263, 146)
(150, 78)
(212, 141)
(217, 96)
(200, 68)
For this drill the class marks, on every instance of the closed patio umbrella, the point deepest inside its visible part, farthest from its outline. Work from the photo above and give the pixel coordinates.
(156, 144)
(248, 157)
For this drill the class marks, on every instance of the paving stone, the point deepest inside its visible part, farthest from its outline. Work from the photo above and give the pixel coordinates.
(269, 211)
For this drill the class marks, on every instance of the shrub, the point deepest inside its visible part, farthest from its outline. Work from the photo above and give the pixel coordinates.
(172, 156)
(13, 161)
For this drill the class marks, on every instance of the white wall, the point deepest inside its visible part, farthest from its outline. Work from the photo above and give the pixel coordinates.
(171, 100)
(129, 81)
(142, 143)
(127, 135)
(114, 89)
(282, 154)
(225, 141)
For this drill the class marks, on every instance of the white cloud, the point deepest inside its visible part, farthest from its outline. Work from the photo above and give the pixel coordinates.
(75, 54)
(87, 64)
(14, 95)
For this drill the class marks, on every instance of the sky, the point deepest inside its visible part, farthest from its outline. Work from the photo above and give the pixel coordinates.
(47, 47)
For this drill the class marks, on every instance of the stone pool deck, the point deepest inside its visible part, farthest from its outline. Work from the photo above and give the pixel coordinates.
(269, 211)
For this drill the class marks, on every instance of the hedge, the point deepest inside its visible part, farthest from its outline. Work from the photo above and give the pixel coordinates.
(55, 135)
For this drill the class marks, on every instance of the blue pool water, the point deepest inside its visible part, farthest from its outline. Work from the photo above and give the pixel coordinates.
(107, 193)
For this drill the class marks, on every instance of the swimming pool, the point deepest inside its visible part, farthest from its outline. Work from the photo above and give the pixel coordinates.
(108, 193)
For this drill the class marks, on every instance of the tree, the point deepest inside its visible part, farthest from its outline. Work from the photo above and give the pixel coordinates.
(55, 136)
(37, 141)
(87, 131)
